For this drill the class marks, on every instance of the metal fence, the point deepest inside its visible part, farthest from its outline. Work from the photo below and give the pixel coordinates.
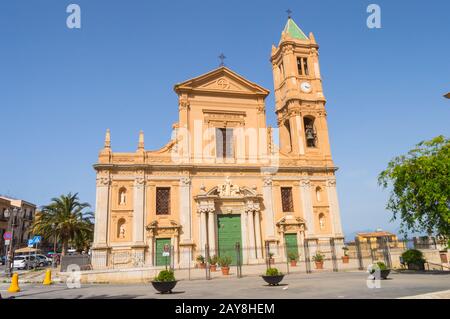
(310, 256)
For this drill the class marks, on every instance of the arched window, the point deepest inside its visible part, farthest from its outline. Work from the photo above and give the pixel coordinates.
(310, 132)
(318, 193)
(121, 228)
(322, 221)
(122, 196)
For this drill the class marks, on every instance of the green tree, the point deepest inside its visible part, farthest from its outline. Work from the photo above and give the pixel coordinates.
(420, 187)
(65, 218)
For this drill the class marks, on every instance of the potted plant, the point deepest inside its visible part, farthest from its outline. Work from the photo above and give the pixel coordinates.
(345, 258)
(413, 258)
(318, 260)
(165, 281)
(224, 263)
(273, 277)
(213, 263)
(381, 266)
(293, 257)
(200, 261)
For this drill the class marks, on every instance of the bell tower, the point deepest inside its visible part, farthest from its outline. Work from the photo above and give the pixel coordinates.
(299, 99)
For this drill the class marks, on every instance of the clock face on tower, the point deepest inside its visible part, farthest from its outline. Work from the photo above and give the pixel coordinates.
(306, 87)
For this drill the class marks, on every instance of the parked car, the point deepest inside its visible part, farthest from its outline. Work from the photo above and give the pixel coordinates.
(43, 261)
(24, 262)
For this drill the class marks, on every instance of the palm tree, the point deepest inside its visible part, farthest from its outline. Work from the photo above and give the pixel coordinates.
(64, 218)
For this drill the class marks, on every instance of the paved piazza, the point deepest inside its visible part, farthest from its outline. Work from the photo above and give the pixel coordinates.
(319, 285)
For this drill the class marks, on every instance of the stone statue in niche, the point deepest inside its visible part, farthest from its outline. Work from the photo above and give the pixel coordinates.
(322, 222)
(122, 231)
(122, 197)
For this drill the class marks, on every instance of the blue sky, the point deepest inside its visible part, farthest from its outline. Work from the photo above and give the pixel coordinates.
(61, 88)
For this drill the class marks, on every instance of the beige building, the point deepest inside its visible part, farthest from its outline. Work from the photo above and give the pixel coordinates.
(23, 222)
(221, 179)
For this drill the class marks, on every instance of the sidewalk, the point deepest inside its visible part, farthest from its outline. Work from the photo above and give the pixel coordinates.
(445, 294)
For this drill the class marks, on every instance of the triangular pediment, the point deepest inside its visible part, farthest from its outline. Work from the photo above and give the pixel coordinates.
(221, 80)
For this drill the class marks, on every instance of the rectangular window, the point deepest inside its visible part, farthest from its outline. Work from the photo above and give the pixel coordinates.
(224, 143)
(302, 66)
(162, 200)
(286, 199)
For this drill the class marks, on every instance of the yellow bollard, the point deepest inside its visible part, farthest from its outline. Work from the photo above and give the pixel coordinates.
(48, 277)
(14, 287)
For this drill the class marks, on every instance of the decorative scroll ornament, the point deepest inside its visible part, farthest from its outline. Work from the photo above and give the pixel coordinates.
(331, 183)
(206, 207)
(139, 181)
(267, 181)
(305, 183)
(252, 206)
(103, 181)
(185, 181)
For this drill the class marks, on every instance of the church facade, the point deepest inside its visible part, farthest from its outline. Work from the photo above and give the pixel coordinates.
(221, 184)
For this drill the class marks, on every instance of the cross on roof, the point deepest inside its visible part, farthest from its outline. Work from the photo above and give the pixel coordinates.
(289, 12)
(222, 57)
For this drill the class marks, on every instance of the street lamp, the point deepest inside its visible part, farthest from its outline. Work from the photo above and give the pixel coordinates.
(13, 214)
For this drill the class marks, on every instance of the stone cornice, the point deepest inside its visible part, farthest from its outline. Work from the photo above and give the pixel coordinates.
(174, 167)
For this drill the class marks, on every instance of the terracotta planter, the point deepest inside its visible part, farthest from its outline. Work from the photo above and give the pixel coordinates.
(213, 268)
(293, 263)
(202, 265)
(345, 259)
(225, 270)
(319, 264)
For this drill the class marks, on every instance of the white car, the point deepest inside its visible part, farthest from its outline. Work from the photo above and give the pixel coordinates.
(24, 262)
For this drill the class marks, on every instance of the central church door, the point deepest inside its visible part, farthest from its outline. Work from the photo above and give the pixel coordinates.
(229, 233)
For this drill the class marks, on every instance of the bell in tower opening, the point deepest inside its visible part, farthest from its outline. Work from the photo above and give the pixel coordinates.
(310, 134)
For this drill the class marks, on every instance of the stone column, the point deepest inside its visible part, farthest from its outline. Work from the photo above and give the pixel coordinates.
(203, 233)
(138, 218)
(307, 206)
(212, 233)
(269, 216)
(100, 245)
(138, 211)
(334, 208)
(251, 237)
(186, 241)
(245, 244)
(259, 247)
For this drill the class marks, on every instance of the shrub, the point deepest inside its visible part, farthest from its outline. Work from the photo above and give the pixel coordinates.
(413, 256)
(273, 272)
(200, 259)
(318, 257)
(165, 275)
(213, 260)
(224, 261)
(345, 249)
(381, 265)
(378, 265)
(293, 256)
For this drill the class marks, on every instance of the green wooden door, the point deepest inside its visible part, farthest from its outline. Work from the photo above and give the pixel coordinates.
(291, 243)
(229, 233)
(160, 260)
